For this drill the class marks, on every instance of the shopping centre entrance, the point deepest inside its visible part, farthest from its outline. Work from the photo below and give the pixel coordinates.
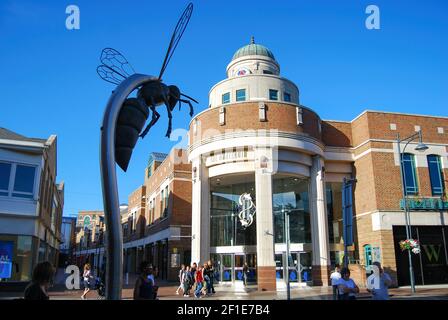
(299, 270)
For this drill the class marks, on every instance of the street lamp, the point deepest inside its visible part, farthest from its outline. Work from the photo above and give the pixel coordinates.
(286, 217)
(420, 147)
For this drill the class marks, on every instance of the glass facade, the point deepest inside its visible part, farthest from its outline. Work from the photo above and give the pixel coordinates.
(16, 253)
(435, 175)
(334, 211)
(291, 194)
(409, 174)
(226, 229)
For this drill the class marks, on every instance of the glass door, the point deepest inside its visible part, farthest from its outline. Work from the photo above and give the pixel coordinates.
(304, 266)
(227, 267)
(239, 264)
(279, 266)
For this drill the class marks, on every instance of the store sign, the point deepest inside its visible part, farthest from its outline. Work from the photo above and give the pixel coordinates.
(6, 251)
(424, 204)
(233, 156)
(247, 210)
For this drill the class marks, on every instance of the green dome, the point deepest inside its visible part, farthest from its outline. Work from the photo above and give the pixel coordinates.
(253, 49)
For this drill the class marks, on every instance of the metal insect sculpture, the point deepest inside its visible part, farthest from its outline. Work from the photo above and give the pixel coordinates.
(115, 68)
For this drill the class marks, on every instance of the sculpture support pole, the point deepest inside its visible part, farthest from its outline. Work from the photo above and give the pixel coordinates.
(112, 217)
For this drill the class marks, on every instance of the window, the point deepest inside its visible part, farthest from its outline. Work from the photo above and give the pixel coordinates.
(287, 97)
(165, 202)
(23, 184)
(24, 181)
(226, 98)
(435, 175)
(267, 72)
(5, 173)
(241, 95)
(409, 174)
(273, 94)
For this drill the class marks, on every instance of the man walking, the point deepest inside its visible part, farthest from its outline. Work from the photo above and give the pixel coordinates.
(335, 276)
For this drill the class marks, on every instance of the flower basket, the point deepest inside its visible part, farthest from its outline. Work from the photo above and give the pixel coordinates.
(410, 244)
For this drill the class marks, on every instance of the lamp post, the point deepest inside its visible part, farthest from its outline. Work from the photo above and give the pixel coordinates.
(420, 147)
(288, 284)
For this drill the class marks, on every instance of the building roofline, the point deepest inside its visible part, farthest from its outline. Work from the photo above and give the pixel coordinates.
(398, 113)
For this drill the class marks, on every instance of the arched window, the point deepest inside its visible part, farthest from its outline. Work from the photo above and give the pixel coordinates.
(410, 174)
(435, 174)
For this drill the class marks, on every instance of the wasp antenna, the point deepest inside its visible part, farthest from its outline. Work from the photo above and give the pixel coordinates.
(188, 97)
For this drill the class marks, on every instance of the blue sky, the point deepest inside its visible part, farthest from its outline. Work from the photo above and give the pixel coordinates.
(49, 84)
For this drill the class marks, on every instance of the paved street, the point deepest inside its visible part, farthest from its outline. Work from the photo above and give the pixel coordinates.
(167, 291)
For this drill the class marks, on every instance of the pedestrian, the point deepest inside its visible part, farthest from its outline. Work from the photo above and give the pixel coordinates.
(245, 273)
(212, 276)
(42, 279)
(335, 276)
(186, 281)
(194, 267)
(205, 274)
(378, 283)
(87, 277)
(152, 277)
(347, 287)
(199, 282)
(144, 288)
(180, 276)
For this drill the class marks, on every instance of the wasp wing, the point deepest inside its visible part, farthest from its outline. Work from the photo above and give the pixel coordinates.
(177, 35)
(115, 67)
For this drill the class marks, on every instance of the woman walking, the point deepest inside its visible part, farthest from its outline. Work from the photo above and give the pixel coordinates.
(87, 277)
(180, 276)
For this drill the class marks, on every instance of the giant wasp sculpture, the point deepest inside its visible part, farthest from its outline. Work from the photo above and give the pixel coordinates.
(115, 68)
(122, 124)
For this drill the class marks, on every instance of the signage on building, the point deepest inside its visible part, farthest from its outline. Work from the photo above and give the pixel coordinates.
(424, 204)
(238, 155)
(6, 248)
(175, 260)
(247, 210)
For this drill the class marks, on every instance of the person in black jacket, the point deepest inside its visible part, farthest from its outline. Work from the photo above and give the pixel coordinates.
(42, 279)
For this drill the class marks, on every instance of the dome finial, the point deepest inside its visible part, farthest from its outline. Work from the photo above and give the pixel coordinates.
(252, 40)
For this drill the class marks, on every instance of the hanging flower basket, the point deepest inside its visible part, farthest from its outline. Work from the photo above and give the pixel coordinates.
(410, 244)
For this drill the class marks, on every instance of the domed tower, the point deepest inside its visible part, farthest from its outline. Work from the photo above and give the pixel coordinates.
(253, 75)
(254, 152)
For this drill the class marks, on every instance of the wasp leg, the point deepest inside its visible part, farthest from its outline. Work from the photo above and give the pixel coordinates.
(170, 116)
(155, 117)
(189, 103)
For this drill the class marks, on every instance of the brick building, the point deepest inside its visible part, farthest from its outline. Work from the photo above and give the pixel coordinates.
(258, 154)
(158, 227)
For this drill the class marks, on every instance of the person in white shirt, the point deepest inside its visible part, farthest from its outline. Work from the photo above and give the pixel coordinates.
(347, 287)
(335, 276)
(378, 283)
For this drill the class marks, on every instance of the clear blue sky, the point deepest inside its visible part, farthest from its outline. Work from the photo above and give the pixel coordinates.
(48, 82)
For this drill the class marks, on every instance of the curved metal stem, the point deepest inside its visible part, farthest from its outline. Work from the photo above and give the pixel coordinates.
(112, 217)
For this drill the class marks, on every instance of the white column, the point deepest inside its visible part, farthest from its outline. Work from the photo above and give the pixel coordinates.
(319, 221)
(200, 206)
(264, 221)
